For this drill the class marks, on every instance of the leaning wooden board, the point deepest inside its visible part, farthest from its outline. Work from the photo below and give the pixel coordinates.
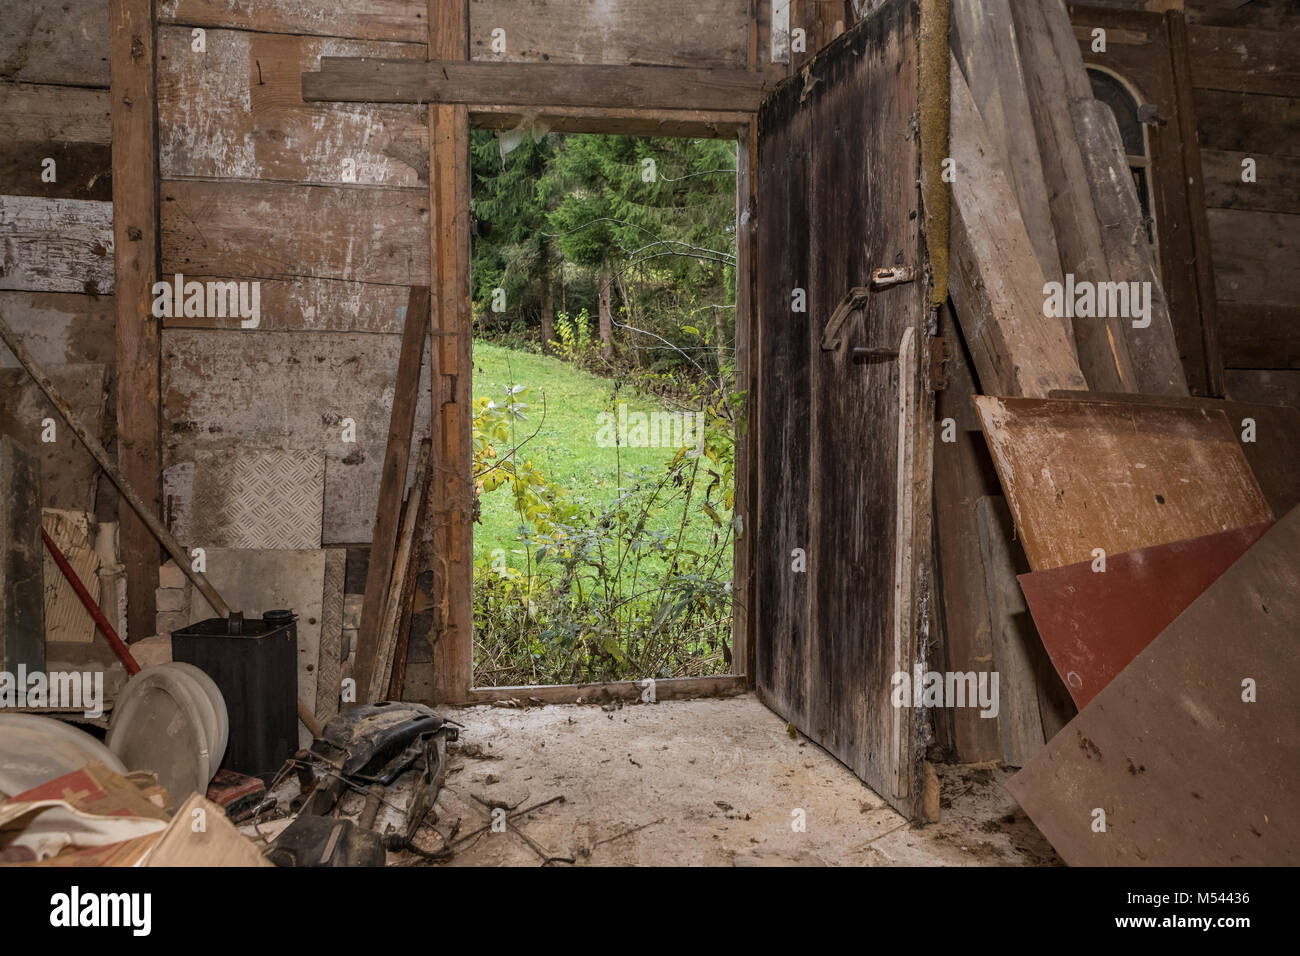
(1269, 436)
(1116, 476)
(1193, 752)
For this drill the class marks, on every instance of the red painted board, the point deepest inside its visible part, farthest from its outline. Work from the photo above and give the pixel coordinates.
(1094, 623)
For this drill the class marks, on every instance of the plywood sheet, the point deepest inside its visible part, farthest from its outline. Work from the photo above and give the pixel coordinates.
(1093, 623)
(1187, 770)
(1269, 436)
(1086, 475)
(247, 498)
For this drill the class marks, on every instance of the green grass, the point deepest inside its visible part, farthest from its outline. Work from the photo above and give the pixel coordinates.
(566, 449)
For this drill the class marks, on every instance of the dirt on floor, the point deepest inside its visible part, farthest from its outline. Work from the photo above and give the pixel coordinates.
(720, 782)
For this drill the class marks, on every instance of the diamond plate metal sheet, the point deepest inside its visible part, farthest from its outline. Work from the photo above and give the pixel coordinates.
(255, 499)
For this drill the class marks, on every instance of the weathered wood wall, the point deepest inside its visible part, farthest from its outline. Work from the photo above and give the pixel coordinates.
(1245, 75)
(56, 237)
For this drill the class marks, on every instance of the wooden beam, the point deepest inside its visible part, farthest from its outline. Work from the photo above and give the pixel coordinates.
(1051, 87)
(452, 488)
(406, 386)
(391, 644)
(372, 80)
(995, 280)
(135, 267)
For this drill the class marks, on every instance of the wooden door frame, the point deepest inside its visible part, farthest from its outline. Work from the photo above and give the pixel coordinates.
(453, 660)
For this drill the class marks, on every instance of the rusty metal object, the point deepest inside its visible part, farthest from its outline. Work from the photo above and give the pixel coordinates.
(1094, 623)
(853, 300)
(891, 276)
(165, 537)
(1193, 752)
(856, 298)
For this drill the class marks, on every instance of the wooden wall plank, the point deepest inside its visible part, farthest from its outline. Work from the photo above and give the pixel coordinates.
(1259, 335)
(373, 20)
(135, 262)
(63, 42)
(1260, 14)
(236, 112)
(315, 305)
(1276, 187)
(996, 283)
(68, 124)
(1249, 61)
(1255, 254)
(1272, 386)
(63, 114)
(680, 33)
(61, 328)
(56, 245)
(1085, 475)
(272, 230)
(259, 389)
(69, 475)
(697, 33)
(1250, 122)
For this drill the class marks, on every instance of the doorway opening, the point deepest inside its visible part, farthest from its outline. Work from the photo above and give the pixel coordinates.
(605, 406)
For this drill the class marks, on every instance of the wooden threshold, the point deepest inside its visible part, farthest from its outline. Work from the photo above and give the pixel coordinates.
(672, 688)
(378, 80)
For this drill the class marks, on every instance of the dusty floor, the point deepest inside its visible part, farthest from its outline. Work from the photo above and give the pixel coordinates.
(703, 782)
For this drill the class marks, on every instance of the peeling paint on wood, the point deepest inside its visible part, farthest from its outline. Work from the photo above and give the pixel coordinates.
(696, 33)
(236, 112)
(56, 245)
(316, 305)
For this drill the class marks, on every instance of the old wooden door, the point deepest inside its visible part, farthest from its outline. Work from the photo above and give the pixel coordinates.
(842, 521)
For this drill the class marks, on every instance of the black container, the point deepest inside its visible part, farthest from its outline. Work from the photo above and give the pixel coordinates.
(255, 665)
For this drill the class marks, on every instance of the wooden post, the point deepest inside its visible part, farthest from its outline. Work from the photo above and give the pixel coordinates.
(452, 489)
(135, 258)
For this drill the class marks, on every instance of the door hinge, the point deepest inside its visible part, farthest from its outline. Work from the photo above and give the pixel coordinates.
(938, 363)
